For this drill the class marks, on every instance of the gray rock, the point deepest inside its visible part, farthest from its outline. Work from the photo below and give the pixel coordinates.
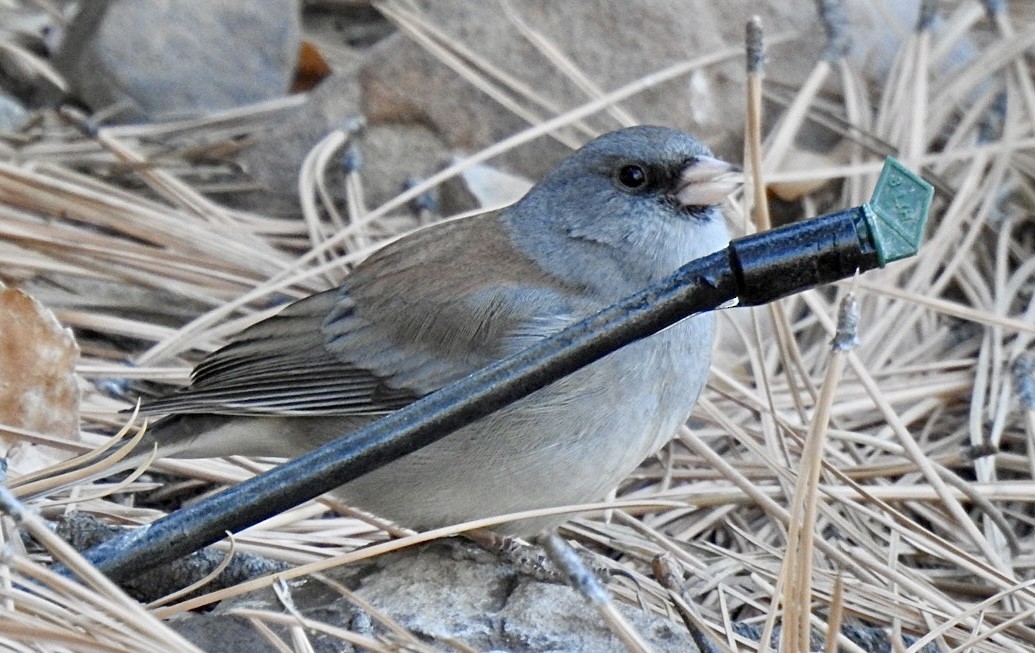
(331, 24)
(394, 153)
(167, 59)
(390, 154)
(421, 112)
(454, 591)
(228, 634)
(275, 158)
(613, 43)
(13, 115)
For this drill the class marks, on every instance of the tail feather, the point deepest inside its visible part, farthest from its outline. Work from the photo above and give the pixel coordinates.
(196, 436)
(165, 437)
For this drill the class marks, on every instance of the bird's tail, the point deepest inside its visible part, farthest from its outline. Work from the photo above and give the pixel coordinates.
(134, 448)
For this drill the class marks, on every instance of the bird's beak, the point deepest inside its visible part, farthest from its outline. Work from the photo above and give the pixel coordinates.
(706, 181)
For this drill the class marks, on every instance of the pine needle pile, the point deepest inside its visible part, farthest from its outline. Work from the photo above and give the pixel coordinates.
(891, 482)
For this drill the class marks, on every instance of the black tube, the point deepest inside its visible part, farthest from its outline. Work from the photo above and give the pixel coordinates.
(784, 261)
(756, 269)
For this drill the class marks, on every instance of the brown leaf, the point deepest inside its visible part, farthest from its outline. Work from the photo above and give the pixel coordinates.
(312, 68)
(38, 386)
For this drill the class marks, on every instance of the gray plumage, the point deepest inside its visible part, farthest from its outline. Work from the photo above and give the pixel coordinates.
(449, 299)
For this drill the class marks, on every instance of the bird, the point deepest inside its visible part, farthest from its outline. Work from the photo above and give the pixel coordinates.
(620, 213)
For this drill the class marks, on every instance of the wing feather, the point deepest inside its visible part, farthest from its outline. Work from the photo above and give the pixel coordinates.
(406, 322)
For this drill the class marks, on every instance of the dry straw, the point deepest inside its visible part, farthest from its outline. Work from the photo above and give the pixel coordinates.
(891, 483)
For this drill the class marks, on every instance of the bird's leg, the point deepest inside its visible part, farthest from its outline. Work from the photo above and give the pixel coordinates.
(528, 559)
(531, 559)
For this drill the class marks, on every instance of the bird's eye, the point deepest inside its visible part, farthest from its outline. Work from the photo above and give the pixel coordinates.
(633, 177)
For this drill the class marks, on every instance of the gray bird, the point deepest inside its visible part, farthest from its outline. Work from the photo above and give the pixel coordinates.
(620, 213)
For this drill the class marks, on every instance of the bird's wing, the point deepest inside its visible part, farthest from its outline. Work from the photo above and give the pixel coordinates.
(424, 311)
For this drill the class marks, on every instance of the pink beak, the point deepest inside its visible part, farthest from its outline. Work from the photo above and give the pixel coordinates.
(706, 181)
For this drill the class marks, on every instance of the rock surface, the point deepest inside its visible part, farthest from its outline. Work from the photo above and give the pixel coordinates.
(452, 591)
(13, 115)
(167, 59)
(448, 591)
(398, 84)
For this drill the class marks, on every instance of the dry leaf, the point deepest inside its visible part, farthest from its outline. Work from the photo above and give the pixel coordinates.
(312, 68)
(38, 386)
